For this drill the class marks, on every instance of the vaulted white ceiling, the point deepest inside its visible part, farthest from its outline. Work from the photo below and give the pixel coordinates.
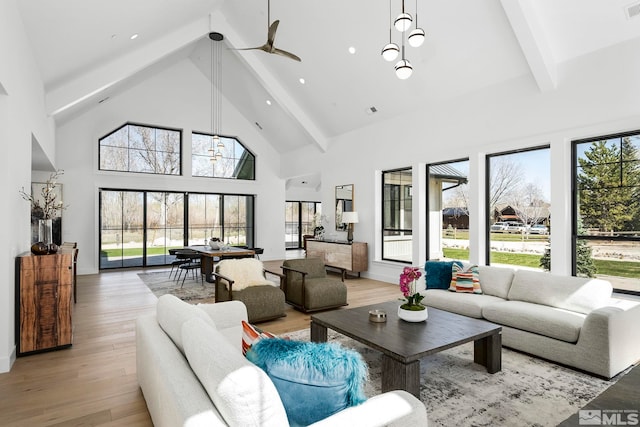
(85, 53)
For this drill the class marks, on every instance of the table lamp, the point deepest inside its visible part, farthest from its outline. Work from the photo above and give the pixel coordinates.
(350, 218)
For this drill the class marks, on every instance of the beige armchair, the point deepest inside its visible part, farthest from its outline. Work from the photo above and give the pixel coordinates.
(244, 279)
(308, 288)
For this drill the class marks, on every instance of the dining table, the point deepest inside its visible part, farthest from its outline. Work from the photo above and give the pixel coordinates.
(211, 256)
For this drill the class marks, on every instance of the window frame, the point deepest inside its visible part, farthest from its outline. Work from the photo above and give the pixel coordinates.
(428, 196)
(317, 208)
(250, 227)
(383, 217)
(574, 204)
(129, 149)
(487, 182)
(234, 138)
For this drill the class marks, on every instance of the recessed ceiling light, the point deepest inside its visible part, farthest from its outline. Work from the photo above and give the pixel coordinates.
(301, 80)
(268, 102)
(352, 50)
(134, 36)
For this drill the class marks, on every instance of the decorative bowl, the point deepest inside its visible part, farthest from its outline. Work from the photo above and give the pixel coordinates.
(377, 316)
(39, 248)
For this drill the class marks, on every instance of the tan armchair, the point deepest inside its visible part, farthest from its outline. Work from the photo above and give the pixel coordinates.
(308, 288)
(244, 279)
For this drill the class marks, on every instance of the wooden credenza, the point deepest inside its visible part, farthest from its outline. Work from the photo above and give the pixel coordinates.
(44, 295)
(342, 255)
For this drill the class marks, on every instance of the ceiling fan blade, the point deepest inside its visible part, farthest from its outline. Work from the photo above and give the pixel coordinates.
(271, 36)
(286, 54)
(264, 47)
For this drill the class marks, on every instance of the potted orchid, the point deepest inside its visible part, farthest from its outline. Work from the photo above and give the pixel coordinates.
(412, 310)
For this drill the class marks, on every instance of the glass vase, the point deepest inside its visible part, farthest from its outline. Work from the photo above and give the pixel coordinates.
(45, 231)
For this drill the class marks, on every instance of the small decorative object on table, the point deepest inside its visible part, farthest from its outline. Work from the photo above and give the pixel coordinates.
(214, 243)
(412, 310)
(377, 316)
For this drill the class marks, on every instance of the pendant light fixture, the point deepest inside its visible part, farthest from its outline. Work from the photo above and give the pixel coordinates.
(403, 21)
(215, 152)
(416, 37)
(391, 50)
(404, 69)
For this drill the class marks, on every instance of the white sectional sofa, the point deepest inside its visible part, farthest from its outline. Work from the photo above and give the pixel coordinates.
(570, 320)
(215, 385)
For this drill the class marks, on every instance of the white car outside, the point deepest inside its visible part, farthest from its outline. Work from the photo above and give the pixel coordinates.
(539, 229)
(499, 227)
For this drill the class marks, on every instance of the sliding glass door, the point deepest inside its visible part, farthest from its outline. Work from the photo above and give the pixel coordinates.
(121, 229)
(164, 227)
(137, 228)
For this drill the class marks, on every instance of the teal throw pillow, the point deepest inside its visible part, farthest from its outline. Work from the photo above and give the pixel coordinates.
(314, 380)
(438, 273)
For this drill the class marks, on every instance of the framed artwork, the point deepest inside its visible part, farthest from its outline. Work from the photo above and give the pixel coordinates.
(37, 214)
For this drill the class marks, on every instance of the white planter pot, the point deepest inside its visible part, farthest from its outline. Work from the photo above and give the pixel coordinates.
(413, 316)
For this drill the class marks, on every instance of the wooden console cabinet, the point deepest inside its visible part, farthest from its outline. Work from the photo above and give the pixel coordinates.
(44, 295)
(342, 255)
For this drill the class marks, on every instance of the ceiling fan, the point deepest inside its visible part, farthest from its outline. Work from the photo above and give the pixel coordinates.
(271, 35)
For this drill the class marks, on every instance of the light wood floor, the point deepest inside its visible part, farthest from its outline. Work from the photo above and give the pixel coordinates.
(93, 383)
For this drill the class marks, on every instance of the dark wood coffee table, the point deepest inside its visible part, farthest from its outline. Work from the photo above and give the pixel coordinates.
(403, 344)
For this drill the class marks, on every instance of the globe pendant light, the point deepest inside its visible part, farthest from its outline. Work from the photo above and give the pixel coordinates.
(416, 37)
(391, 50)
(404, 69)
(403, 21)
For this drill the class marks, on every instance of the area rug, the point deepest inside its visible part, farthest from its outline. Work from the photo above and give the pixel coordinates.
(193, 291)
(457, 392)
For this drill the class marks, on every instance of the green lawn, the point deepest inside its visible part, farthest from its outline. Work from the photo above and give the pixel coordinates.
(133, 252)
(606, 267)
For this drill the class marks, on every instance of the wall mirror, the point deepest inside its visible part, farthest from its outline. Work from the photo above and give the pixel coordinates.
(344, 203)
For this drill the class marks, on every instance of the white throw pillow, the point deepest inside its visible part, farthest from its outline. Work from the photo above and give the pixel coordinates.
(172, 312)
(243, 394)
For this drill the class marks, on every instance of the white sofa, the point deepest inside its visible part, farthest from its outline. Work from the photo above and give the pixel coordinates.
(214, 384)
(570, 320)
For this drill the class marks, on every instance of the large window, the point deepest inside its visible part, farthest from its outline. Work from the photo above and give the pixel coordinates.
(397, 195)
(300, 220)
(139, 148)
(137, 228)
(232, 159)
(518, 206)
(607, 209)
(448, 210)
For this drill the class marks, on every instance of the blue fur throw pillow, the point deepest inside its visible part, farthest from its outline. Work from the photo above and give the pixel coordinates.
(438, 274)
(314, 380)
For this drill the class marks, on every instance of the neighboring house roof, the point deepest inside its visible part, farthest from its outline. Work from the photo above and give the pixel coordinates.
(448, 173)
(454, 211)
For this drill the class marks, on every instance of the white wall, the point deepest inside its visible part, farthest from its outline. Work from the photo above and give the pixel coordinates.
(22, 117)
(178, 97)
(597, 94)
